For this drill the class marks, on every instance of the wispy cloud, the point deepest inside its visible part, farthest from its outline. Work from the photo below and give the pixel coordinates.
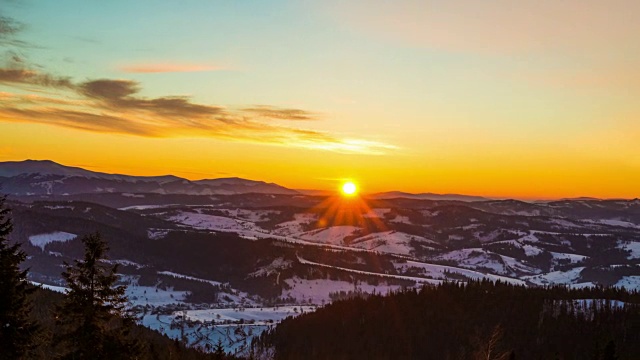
(8, 29)
(271, 112)
(116, 106)
(169, 67)
(31, 77)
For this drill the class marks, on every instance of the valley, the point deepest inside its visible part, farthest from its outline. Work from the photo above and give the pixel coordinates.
(206, 268)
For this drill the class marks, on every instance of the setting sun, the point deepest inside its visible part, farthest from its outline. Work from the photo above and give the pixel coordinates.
(349, 188)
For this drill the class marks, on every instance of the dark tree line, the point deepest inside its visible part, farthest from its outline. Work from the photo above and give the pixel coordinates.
(17, 331)
(479, 320)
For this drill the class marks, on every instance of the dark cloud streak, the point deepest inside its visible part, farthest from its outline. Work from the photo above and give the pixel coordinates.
(23, 76)
(280, 113)
(118, 94)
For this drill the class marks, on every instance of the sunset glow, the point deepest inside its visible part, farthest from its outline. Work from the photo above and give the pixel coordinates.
(534, 100)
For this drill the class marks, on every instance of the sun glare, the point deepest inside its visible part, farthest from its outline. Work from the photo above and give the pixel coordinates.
(349, 188)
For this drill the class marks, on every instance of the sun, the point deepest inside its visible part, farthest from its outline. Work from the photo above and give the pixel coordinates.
(349, 188)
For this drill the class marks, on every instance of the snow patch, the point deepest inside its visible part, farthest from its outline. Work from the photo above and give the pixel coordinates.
(42, 240)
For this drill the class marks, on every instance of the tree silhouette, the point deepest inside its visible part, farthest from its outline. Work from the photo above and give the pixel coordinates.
(17, 332)
(93, 318)
(610, 351)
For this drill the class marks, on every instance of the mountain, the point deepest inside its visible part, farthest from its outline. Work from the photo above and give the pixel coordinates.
(236, 185)
(45, 177)
(199, 246)
(48, 167)
(425, 196)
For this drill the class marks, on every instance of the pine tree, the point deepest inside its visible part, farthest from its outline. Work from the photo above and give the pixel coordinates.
(610, 351)
(218, 351)
(17, 332)
(94, 321)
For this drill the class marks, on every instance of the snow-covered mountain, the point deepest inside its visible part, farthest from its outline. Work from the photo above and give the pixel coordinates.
(44, 177)
(242, 248)
(578, 243)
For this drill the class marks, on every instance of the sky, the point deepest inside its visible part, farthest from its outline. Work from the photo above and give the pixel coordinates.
(524, 99)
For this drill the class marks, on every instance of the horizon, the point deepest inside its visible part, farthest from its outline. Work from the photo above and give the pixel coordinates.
(528, 101)
(335, 191)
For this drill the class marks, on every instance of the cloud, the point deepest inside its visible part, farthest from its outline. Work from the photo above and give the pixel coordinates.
(76, 120)
(115, 106)
(8, 27)
(169, 67)
(265, 111)
(31, 77)
(118, 94)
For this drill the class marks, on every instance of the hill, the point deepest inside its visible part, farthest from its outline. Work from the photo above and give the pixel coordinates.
(45, 177)
(479, 320)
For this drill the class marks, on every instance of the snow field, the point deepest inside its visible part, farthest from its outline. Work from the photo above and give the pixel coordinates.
(317, 291)
(259, 316)
(42, 240)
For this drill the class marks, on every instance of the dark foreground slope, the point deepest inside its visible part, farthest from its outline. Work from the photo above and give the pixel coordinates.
(155, 345)
(476, 321)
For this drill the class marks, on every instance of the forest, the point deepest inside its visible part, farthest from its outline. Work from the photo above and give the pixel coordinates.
(476, 320)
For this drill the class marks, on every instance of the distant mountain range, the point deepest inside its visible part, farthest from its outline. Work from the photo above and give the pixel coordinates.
(425, 196)
(45, 177)
(235, 242)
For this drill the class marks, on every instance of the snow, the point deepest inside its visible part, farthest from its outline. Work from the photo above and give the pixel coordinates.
(133, 195)
(514, 266)
(585, 305)
(331, 235)
(233, 327)
(150, 295)
(556, 277)
(317, 291)
(155, 234)
(169, 273)
(235, 338)
(475, 258)
(276, 265)
(392, 242)
(261, 316)
(377, 213)
(399, 277)
(616, 222)
(146, 207)
(573, 258)
(249, 215)
(629, 282)
(295, 226)
(60, 289)
(59, 207)
(402, 219)
(438, 272)
(42, 240)
(633, 247)
(124, 262)
(210, 222)
(530, 238)
(530, 250)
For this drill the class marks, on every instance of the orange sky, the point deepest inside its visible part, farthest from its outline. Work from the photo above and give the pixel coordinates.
(532, 99)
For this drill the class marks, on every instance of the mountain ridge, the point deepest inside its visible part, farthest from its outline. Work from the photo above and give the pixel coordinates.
(46, 177)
